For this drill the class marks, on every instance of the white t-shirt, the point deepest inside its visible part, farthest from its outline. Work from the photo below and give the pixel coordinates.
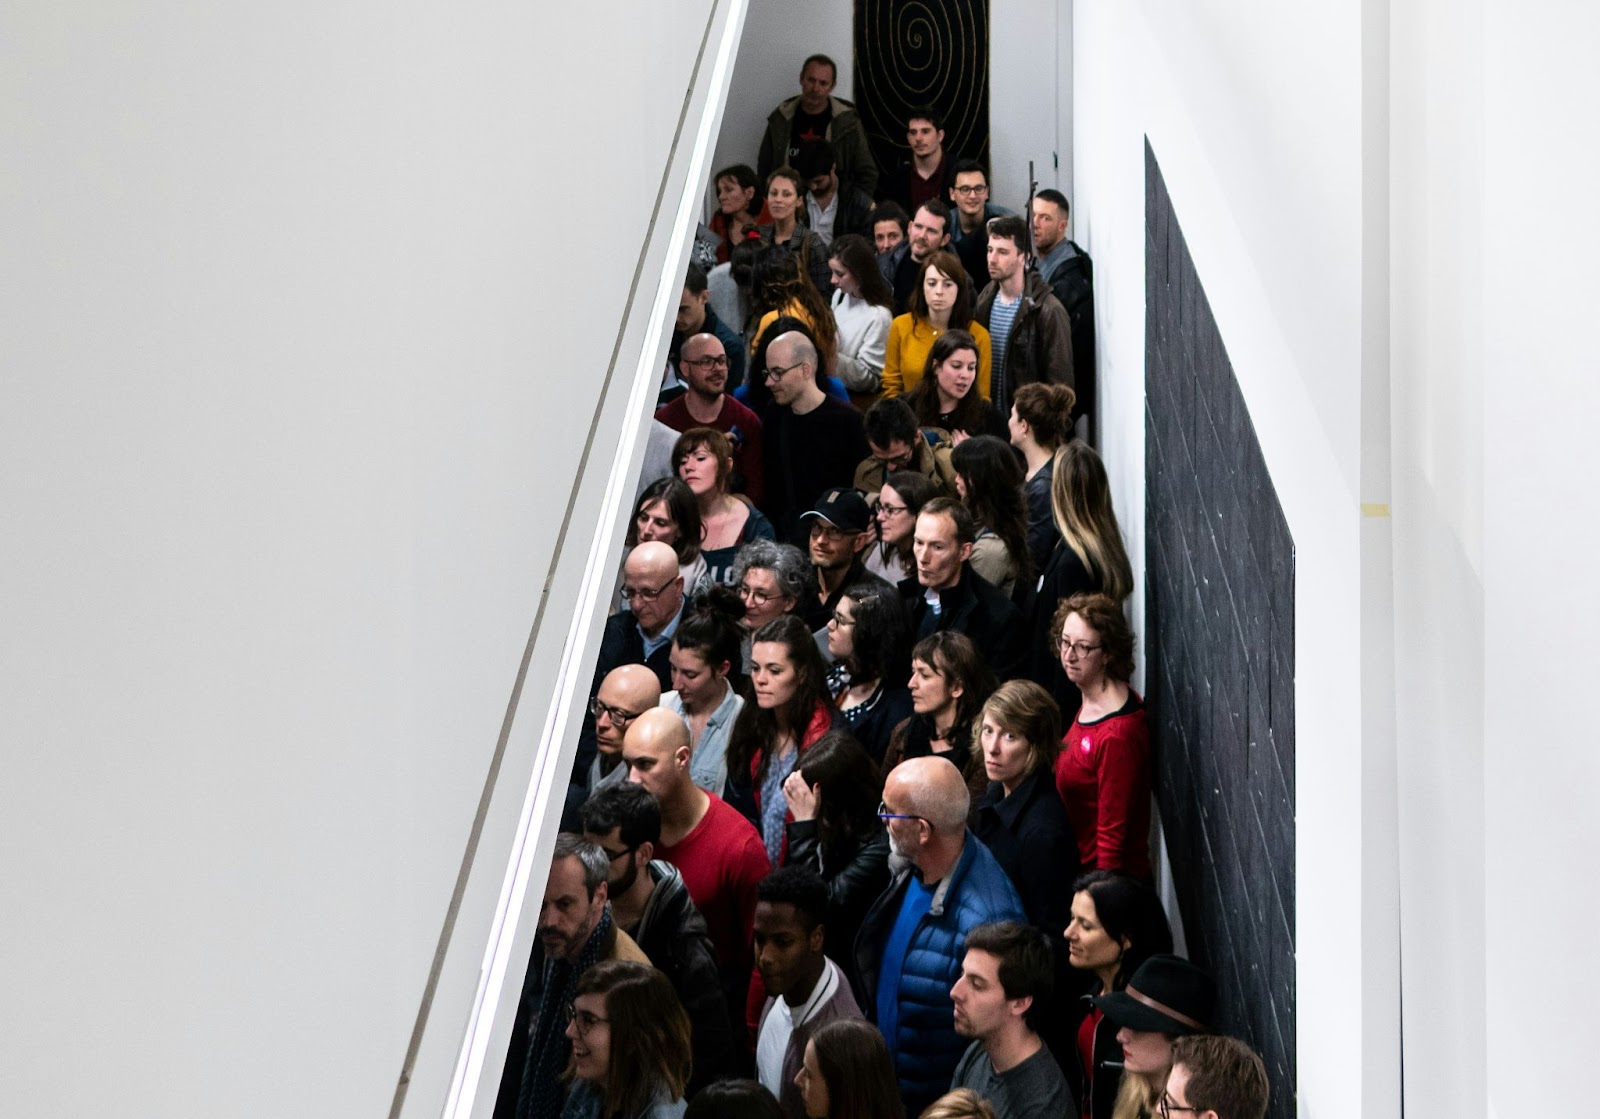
(780, 1024)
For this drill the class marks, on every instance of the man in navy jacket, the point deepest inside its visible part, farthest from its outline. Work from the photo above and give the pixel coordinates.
(909, 951)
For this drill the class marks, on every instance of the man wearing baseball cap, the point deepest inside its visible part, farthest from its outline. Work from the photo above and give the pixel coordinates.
(839, 527)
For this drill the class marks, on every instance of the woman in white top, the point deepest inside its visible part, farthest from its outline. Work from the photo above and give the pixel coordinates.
(863, 308)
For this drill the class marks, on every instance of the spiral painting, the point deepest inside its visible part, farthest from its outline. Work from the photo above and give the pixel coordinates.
(911, 53)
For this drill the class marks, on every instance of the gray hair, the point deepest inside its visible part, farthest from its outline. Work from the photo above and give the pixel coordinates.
(787, 563)
(590, 856)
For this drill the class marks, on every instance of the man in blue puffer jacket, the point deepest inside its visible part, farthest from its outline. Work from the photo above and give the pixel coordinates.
(909, 950)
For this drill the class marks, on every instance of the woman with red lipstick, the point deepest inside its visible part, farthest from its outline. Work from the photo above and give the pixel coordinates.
(792, 710)
(630, 1045)
(1117, 923)
(1166, 998)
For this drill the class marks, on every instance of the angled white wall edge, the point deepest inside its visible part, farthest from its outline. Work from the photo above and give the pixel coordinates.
(572, 612)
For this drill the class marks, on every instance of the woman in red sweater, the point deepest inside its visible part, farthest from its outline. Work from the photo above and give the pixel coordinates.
(1103, 771)
(792, 709)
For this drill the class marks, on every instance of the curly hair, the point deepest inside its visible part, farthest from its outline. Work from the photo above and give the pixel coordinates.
(1103, 615)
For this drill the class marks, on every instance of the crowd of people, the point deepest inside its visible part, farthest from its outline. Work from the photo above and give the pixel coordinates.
(859, 825)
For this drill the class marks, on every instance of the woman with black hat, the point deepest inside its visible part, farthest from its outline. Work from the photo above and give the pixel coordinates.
(1167, 998)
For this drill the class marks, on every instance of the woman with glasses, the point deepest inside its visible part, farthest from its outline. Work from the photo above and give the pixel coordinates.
(950, 395)
(1040, 424)
(702, 458)
(1117, 923)
(847, 1074)
(705, 652)
(989, 484)
(833, 796)
(867, 641)
(789, 713)
(941, 301)
(1088, 557)
(668, 511)
(863, 307)
(949, 684)
(630, 1045)
(770, 578)
(1103, 772)
(899, 501)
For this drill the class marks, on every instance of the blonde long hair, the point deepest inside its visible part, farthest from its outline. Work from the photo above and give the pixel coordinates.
(1080, 499)
(1138, 1096)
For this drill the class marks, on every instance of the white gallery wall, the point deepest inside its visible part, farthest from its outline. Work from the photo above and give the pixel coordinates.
(316, 446)
(1381, 202)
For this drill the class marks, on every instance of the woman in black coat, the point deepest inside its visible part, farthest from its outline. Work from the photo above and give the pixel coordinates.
(833, 796)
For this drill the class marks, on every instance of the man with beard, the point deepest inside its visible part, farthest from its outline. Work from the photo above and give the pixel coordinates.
(704, 363)
(928, 232)
(838, 541)
(575, 932)
(908, 953)
(650, 902)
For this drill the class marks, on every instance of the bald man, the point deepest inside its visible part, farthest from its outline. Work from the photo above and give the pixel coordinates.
(706, 368)
(909, 951)
(811, 441)
(642, 634)
(718, 851)
(625, 693)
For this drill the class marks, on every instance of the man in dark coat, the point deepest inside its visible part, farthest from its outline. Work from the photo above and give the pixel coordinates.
(650, 902)
(946, 594)
(1030, 337)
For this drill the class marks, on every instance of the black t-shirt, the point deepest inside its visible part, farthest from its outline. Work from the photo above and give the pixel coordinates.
(808, 126)
(806, 455)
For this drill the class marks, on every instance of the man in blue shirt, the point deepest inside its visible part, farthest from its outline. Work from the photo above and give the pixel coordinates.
(908, 954)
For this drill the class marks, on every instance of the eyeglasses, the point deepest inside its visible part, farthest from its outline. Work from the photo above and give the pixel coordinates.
(969, 191)
(645, 594)
(831, 533)
(885, 814)
(1167, 1107)
(615, 855)
(1075, 649)
(887, 510)
(896, 462)
(709, 363)
(584, 1021)
(753, 596)
(839, 621)
(772, 373)
(619, 718)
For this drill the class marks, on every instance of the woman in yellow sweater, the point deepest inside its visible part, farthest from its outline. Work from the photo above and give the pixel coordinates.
(941, 301)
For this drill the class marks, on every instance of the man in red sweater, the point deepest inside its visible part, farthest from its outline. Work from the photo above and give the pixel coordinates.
(703, 362)
(718, 852)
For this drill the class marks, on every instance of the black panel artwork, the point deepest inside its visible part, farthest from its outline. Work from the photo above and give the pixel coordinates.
(912, 53)
(1219, 633)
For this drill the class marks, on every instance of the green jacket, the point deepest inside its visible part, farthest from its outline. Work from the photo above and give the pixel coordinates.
(850, 148)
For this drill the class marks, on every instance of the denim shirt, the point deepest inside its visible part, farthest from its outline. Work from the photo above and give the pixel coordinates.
(708, 767)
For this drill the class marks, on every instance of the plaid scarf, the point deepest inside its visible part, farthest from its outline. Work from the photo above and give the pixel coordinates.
(543, 1094)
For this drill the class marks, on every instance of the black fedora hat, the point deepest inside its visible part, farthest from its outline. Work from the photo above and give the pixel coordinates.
(1166, 995)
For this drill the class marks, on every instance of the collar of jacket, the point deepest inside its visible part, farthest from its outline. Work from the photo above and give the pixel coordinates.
(1009, 809)
(666, 900)
(836, 104)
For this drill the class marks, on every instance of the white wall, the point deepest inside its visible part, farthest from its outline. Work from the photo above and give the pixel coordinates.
(1255, 115)
(778, 36)
(295, 399)
(1027, 99)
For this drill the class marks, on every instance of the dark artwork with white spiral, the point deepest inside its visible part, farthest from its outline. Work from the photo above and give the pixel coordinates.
(911, 53)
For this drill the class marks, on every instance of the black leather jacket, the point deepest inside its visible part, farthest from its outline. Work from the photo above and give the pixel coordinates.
(855, 878)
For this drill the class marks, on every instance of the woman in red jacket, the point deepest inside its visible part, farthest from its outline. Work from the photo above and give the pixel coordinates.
(1103, 771)
(792, 709)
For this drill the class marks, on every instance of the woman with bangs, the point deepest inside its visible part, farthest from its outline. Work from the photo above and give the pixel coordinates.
(702, 458)
(786, 203)
(630, 1045)
(669, 512)
(942, 300)
(949, 684)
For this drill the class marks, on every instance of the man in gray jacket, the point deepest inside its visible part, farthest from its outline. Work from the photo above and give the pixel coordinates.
(817, 115)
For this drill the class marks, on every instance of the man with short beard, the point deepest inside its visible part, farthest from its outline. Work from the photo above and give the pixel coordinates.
(928, 232)
(908, 953)
(839, 537)
(705, 364)
(650, 902)
(575, 932)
